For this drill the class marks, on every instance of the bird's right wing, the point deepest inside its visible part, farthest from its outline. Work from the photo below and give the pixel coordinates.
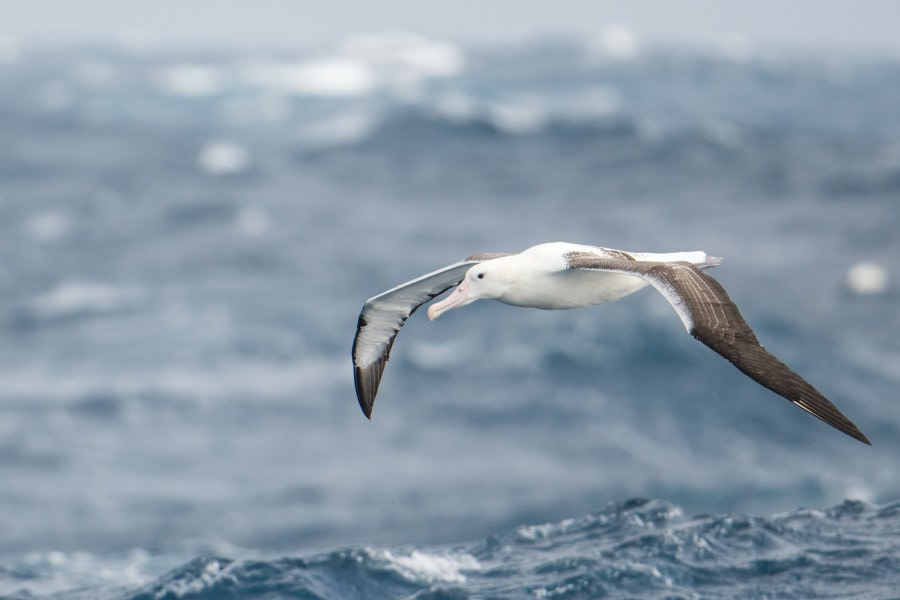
(383, 315)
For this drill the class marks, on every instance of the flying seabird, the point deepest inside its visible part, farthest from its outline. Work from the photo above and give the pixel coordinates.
(561, 276)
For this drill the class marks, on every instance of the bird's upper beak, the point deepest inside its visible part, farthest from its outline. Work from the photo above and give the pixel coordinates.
(458, 297)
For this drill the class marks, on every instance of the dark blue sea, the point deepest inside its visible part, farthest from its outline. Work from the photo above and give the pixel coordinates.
(187, 237)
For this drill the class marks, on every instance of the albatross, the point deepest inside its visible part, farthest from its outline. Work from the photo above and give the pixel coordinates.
(561, 275)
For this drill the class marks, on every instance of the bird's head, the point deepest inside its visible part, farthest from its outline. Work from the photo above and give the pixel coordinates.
(484, 281)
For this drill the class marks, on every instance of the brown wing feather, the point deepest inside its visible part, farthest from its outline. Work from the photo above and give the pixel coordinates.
(712, 317)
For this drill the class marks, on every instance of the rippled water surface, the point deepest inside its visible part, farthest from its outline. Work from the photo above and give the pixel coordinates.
(187, 239)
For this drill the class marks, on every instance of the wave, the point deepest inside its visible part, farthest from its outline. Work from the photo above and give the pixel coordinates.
(360, 66)
(639, 547)
(74, 298)
(516, 89)
(176, 348)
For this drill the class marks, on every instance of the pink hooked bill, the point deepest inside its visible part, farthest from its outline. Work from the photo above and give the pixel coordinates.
(458, 297)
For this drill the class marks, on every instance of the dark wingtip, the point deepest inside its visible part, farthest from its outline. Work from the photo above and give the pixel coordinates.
(829, 413)
(366, 400)
(859, 435)
(824, 410)
(366, 408)
(817, 405)
(365, 386)
(841, 423)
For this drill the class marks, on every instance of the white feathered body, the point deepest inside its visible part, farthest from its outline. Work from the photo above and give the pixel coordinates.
(539, 277)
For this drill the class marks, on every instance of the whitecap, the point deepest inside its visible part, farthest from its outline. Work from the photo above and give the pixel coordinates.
(223, 158)
(334, 77)
(359, 66)
(614, 42)
(866, 278)
(533, 533)
(214, 573)
(432, 568)
(408, 51)
(560, 591)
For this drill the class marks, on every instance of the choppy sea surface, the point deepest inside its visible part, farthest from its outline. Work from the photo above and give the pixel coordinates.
(187, 236)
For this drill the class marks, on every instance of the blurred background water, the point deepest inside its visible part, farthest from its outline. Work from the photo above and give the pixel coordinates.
(187, 236)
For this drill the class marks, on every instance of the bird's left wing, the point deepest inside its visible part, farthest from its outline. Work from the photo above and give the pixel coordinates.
(383, 315)
(709, 315)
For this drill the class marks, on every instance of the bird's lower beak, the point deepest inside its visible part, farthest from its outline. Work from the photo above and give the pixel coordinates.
(458, 297)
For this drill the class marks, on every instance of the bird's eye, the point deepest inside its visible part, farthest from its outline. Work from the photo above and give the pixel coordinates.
(480, 276)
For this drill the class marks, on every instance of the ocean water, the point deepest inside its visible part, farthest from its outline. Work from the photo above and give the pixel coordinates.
(187, 237)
